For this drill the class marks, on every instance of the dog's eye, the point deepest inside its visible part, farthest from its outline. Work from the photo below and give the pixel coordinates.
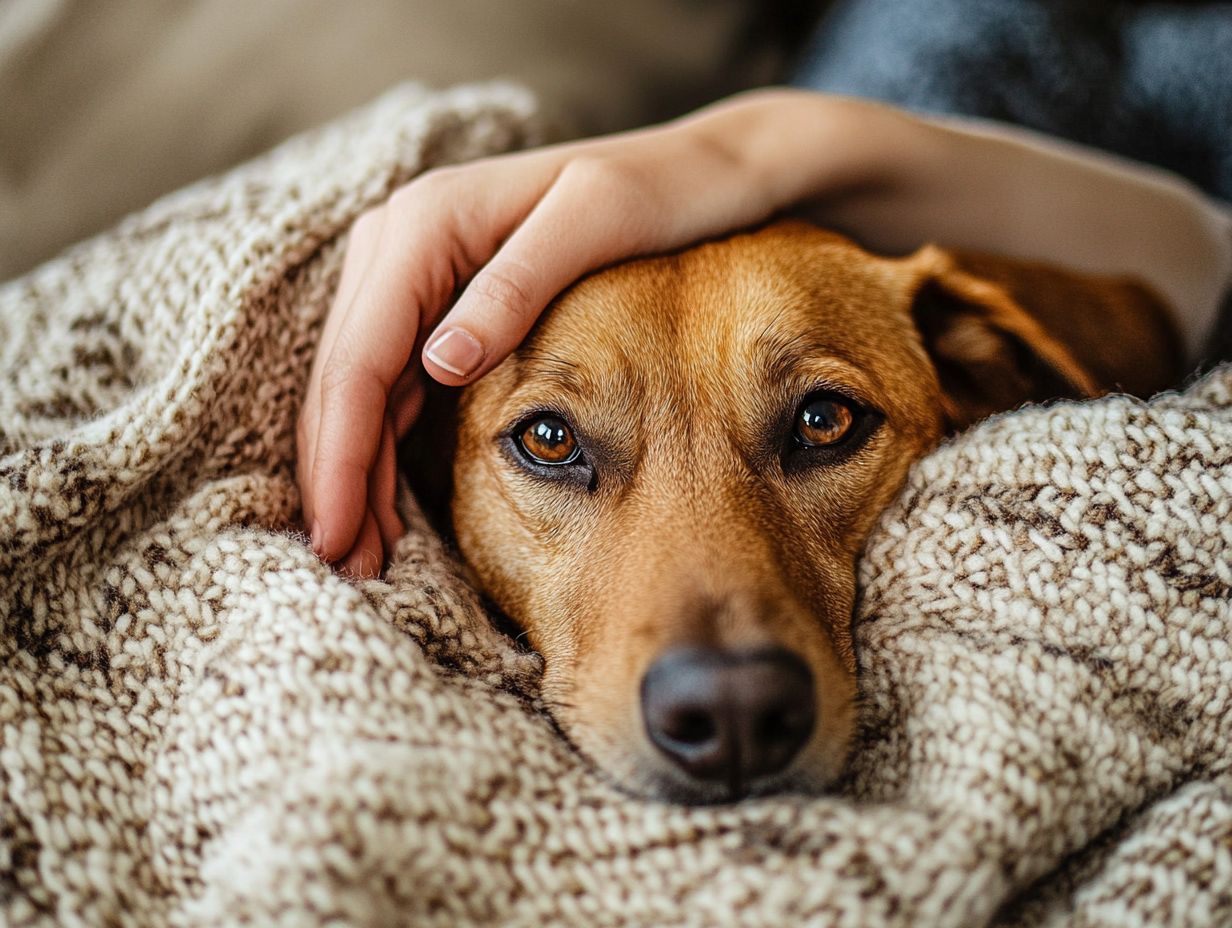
(548, 440)
(823, 421)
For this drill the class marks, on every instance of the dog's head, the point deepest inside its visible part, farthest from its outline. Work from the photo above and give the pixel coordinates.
(668, 485)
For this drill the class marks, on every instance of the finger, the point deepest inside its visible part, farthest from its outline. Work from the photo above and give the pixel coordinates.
(361, 248)
(352, 412)
(382, 488)
(406, 401)
(372, 345)
(364, 560)
(301, 476)
(435, 232)
(559, 242)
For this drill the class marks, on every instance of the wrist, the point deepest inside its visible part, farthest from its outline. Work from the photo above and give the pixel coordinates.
(798, 145)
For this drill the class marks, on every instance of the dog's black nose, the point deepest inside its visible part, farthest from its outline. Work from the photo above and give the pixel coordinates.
(729, 717)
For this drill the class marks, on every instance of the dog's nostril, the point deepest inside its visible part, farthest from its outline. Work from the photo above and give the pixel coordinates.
(775, 724)
(691, 728)
(729, 716)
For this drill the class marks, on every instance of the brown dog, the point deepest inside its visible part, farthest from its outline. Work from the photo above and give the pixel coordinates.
(668, 485)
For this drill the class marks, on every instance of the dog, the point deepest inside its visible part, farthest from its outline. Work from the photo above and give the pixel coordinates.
(668, 485)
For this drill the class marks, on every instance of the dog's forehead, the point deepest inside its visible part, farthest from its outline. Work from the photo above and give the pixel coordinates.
(751, 308)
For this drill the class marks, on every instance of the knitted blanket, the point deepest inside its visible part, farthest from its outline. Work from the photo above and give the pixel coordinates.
(201, 725)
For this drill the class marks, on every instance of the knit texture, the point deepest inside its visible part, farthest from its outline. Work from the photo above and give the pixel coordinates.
(201, 725)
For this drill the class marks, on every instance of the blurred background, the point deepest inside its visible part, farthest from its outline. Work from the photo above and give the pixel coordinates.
(107, 104)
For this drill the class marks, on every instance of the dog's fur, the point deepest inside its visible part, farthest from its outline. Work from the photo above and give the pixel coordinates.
(696, 520)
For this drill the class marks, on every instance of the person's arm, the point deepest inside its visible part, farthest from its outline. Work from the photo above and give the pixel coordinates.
(991, 187)
(522, 227)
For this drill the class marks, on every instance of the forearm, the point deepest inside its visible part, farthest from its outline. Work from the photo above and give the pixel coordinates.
(518, 229)
(896, 181)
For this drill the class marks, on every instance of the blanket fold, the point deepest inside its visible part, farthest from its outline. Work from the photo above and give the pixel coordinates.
(200, 724)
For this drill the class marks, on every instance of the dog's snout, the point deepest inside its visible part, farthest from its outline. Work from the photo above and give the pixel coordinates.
(729, 717)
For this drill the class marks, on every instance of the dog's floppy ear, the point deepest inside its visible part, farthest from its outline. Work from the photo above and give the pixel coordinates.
(990, 354)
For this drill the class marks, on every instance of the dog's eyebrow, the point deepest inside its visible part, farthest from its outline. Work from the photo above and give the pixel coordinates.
(538, 366)
(786, 359)
(550, 361)
(784, 354)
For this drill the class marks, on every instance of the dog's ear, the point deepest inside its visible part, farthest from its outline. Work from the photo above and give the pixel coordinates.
(990, 354)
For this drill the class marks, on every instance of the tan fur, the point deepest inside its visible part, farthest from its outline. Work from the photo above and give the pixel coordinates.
(680, 374)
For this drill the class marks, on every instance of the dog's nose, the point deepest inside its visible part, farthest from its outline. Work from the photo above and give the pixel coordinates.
(729, 717)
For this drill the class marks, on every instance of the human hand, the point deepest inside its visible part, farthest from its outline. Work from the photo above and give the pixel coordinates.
(522, 227)
(519, 228)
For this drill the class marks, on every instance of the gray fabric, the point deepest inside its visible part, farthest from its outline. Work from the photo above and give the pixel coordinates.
(1151, 81)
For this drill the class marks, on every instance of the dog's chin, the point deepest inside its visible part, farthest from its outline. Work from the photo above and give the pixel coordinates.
(650, 779)
(668, 788)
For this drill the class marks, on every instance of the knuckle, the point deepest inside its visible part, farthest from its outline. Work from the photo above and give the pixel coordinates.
(349, 382)
(589, 168)
(616, 189)
(408, 196)
(338, 374)
(605, 175)
(430, 185)
(367, 228)
(508, 287)
(442, 175)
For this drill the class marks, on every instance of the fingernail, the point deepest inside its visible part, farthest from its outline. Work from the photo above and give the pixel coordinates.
(457, 351)
(317, 540)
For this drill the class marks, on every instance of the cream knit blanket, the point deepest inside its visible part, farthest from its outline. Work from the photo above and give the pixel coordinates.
(201, 725)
